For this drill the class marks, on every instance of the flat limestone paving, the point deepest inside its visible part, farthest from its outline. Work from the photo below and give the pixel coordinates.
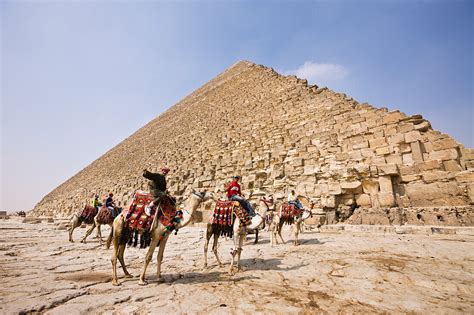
(329, 272)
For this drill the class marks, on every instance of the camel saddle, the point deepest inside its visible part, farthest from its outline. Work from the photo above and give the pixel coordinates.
(88, 214)
(137, 219)
(224, 216)
(105, 215)
(289, 213)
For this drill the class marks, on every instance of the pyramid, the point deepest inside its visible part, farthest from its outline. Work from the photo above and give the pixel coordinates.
(362, 164)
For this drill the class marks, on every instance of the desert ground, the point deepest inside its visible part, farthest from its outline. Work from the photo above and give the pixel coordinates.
(349, 272)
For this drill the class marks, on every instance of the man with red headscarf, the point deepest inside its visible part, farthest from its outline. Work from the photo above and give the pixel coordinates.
(157, 185)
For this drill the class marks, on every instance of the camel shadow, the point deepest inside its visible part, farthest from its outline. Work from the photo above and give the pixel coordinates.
(197, 278)
(265, 264)
(314, 241)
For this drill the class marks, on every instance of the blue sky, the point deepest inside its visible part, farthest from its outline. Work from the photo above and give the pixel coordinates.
(79, 77)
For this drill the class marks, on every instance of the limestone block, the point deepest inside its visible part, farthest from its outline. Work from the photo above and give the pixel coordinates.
(452, 165)
(407, 159)
(385, 184)
(361, 145)
(467, 154)
(405, 127)
(444, 144)
(470, 192)
(409, 178)
(334, 188)
(394, 159)
(423, 126)
(377, 142)
(355, 155)
(465, 177)
(429, 165)
(388, 169)
(416, 151)
(449, 154)
(396, 139)
(321, 189)
(342, 156)
(363, 200)
(382, 150)
(370, 186)
(369, 152)
(351, 185)
(436, 175)
(297, 162)
(405, 148)
(412, 136)
(386, 199)
(328, 201)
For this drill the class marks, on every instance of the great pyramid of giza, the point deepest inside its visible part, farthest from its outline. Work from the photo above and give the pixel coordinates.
(363, 164)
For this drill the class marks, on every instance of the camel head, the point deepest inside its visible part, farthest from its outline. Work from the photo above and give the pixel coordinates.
(202, 196)
(265, 204)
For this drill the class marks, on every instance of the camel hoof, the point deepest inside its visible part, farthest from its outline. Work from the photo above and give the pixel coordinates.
(160, 279)
(115, 283)
(142, 282)
(128, 276)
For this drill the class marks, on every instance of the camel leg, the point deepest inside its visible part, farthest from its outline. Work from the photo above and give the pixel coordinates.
(297, 230)
(159, 258)
(206, 243)
(280, 227)
(116, 238)
(99, 234)
(234, 250)
(214, 249)
(154, 242)
(88, 232)
(239, 250)
(256, 237)
(75, 224)
(109, 239)
(122, 261)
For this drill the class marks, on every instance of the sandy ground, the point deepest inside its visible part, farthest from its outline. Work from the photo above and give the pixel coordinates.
(329, 272)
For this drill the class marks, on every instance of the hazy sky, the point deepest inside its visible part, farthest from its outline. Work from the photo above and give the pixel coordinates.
(79, 77)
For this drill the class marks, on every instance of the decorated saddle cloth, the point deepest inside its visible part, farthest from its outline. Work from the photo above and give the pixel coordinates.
(289, 213)
(88, 214)
(224, 216)
(137, 219)
(105, 215)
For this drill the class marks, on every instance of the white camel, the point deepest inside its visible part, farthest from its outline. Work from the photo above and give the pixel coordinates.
(276, 225)
(239, 233)
(159, 237)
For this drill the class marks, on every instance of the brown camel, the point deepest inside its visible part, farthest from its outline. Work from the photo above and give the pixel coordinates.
(103, 217)
(159, 237)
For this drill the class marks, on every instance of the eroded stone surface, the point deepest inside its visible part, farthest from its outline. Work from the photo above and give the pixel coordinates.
(329, 272)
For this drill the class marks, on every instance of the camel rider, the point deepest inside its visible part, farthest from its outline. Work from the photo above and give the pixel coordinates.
(96, 203)
(234, 194)
(157, 185)
(293, 200)
(110, 204)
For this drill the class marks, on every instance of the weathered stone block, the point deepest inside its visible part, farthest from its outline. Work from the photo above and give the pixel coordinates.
(363, 200)
(370, 186)
(351, 185)
(385, 184)
(416, 151)
(334, 188)
(465, 177)
(377, 142)
(382, 150)
(393, 117)
(452, 165)
(396, 139)
(388, 169)
(386, 199)
(394, 159)
(444, 144)
(412, 136)
(429, 165)
(407, 159)
(449, 154)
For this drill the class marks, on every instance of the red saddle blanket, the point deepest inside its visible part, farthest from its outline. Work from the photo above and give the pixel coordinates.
(289, 212)
(88, 214)
(137, 219)
(224, 216)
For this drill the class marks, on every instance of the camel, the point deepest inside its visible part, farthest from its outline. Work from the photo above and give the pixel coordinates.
(159, 237)
(76, 221)
(238, 232)
(276, 225)
(103, 217)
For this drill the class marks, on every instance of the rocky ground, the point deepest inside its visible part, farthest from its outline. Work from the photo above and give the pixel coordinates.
(329, 272)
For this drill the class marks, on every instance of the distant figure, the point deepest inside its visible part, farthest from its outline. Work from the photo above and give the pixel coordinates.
(110, 204)
(157, 186)
(234, 194)
(293, 200)
(96, 203)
